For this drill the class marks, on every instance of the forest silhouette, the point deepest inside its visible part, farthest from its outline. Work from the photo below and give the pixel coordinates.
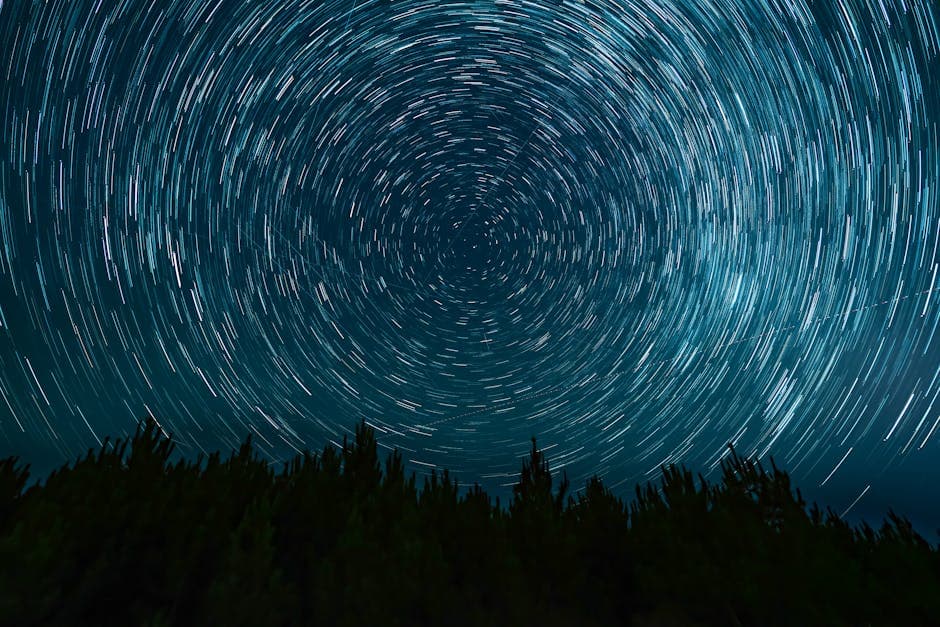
(125, 536)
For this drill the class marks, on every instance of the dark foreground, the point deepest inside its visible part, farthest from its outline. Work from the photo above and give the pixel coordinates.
(125, 537)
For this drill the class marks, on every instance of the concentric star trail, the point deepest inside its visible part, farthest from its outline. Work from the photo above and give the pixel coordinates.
(636, 230)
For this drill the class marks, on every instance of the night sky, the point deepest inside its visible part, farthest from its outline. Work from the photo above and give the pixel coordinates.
(635, 230)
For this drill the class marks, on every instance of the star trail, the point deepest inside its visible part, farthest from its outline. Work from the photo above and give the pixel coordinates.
(636, 230)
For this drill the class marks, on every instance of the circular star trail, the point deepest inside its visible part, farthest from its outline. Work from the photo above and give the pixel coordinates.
(636, 230)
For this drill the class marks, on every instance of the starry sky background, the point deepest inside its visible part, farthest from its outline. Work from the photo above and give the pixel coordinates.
(636, 230)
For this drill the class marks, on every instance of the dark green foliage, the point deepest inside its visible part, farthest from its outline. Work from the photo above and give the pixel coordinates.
(125, 537)
(13, 478)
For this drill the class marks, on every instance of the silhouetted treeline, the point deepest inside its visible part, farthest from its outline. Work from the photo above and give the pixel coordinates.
(124, 536)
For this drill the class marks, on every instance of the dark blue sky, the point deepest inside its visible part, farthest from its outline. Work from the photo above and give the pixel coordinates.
(637, 231)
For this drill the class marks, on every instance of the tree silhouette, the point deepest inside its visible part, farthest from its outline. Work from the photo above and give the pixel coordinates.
(340, 537)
